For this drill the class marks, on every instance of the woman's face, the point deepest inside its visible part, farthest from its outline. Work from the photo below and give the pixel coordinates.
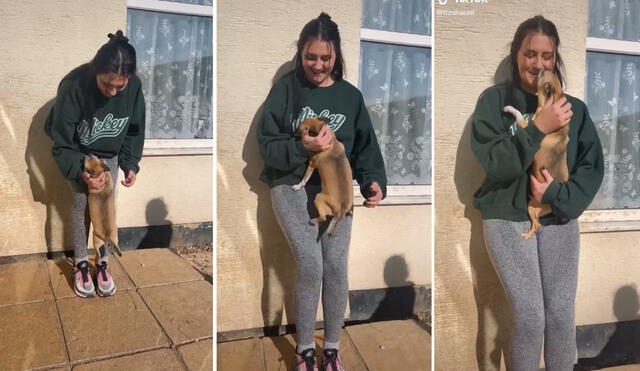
(111, 84)
(537, 52)
(318, 59)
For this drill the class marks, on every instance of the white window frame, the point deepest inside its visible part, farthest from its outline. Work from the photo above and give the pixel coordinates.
(612, 220)
(173, 147)
(402, 194)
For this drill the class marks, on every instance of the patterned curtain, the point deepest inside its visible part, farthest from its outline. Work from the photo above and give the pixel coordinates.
(406, 16)
(615, 19)
(613, 97)
(175, 65)
(396, 84)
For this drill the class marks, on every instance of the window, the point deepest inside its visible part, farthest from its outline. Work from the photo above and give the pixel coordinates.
(395, 79)
(174, 45)
(612, 93)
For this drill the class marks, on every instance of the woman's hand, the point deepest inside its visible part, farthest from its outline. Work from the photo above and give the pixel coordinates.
(319, 143)
(538, 189)
(94, 183)
(553, 115)
(376, 195)
(130, 180)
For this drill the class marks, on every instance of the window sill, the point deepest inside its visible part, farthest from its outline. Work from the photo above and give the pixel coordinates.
(400, 195)
(177, 147)
(596, 221)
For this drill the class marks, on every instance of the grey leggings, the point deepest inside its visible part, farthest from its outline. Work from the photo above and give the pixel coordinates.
(540, 277)
(80, 219)
(320, 264)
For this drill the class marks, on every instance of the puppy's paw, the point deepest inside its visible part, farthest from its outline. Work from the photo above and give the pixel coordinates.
(297, 187)
(314, 221)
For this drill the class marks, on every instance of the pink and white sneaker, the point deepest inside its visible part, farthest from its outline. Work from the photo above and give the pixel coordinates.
(83, 284)
(106, 286)
(306, 361)
(331, 360)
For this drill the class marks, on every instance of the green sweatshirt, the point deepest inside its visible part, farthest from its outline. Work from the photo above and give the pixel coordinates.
(506, 151)
(281, 147)
(83, 121)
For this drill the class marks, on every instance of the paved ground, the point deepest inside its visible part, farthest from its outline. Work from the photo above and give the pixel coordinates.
(392, 345)
(160, 318)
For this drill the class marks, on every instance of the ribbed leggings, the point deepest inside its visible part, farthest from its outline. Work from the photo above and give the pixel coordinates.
(540, 277)
(320, 265)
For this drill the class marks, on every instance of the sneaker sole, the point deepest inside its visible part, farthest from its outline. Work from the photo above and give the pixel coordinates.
(105, 294)
(83, 295)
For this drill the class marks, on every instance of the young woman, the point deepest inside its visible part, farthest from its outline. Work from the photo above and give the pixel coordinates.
(539, 275)
(316, 89)
(99, 110)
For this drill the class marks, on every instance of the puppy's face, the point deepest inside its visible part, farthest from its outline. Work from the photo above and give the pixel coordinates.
(312, 126)
(548, 84)
(94, 166)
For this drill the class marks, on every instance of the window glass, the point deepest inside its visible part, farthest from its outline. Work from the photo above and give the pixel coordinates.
(174, 54)
(406, 16)
(614, 19)
(396, 84)
(613, 98)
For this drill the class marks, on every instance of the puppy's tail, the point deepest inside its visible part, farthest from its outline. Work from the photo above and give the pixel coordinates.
(514, 112)
(332, 226)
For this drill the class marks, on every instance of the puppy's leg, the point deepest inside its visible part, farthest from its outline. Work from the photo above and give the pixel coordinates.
(305, 178)
(534, 215)
(323, 208)
(521, 121)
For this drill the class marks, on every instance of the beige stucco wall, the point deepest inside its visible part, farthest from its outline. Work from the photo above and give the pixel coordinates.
(41, 42)
(255, 269)
(472, 316)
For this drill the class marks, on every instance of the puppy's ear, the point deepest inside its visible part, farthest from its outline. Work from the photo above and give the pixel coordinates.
(104, 166)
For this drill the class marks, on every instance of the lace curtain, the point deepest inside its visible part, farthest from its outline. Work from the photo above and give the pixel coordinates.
(406, 16)
(174, 54)
(396, 84)
(613, 97)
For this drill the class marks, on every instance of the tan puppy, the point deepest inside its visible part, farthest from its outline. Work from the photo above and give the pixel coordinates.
(552, 154)
(102, 208)
(336, 197)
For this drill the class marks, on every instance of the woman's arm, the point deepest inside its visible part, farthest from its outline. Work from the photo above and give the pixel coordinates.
(66, 117)
(279, 148)
(133, 144)
(505, 152)
(366, 158)
(570, 199)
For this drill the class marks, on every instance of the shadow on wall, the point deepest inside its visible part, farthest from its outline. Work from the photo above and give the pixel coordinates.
(622, 346)
(494, 316)
(159, 231)
(399, 302)
(277, 262)
(48, 185)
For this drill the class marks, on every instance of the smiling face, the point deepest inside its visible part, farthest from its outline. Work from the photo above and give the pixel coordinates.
(111, 84)
(318, 60)
(536, 53)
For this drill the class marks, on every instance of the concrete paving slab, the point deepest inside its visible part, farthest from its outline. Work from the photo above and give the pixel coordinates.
(184, 310)
(61, 270)
(240, 355)
(101, 327)
(623, 368)
(24, 282)
(279, 352)
(199, 356)
(392, 345)
(162, 359)
(30, 336)
(152, 267)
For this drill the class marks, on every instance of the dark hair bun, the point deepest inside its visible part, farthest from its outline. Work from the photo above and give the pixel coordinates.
(118, 37)
(324, 17)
